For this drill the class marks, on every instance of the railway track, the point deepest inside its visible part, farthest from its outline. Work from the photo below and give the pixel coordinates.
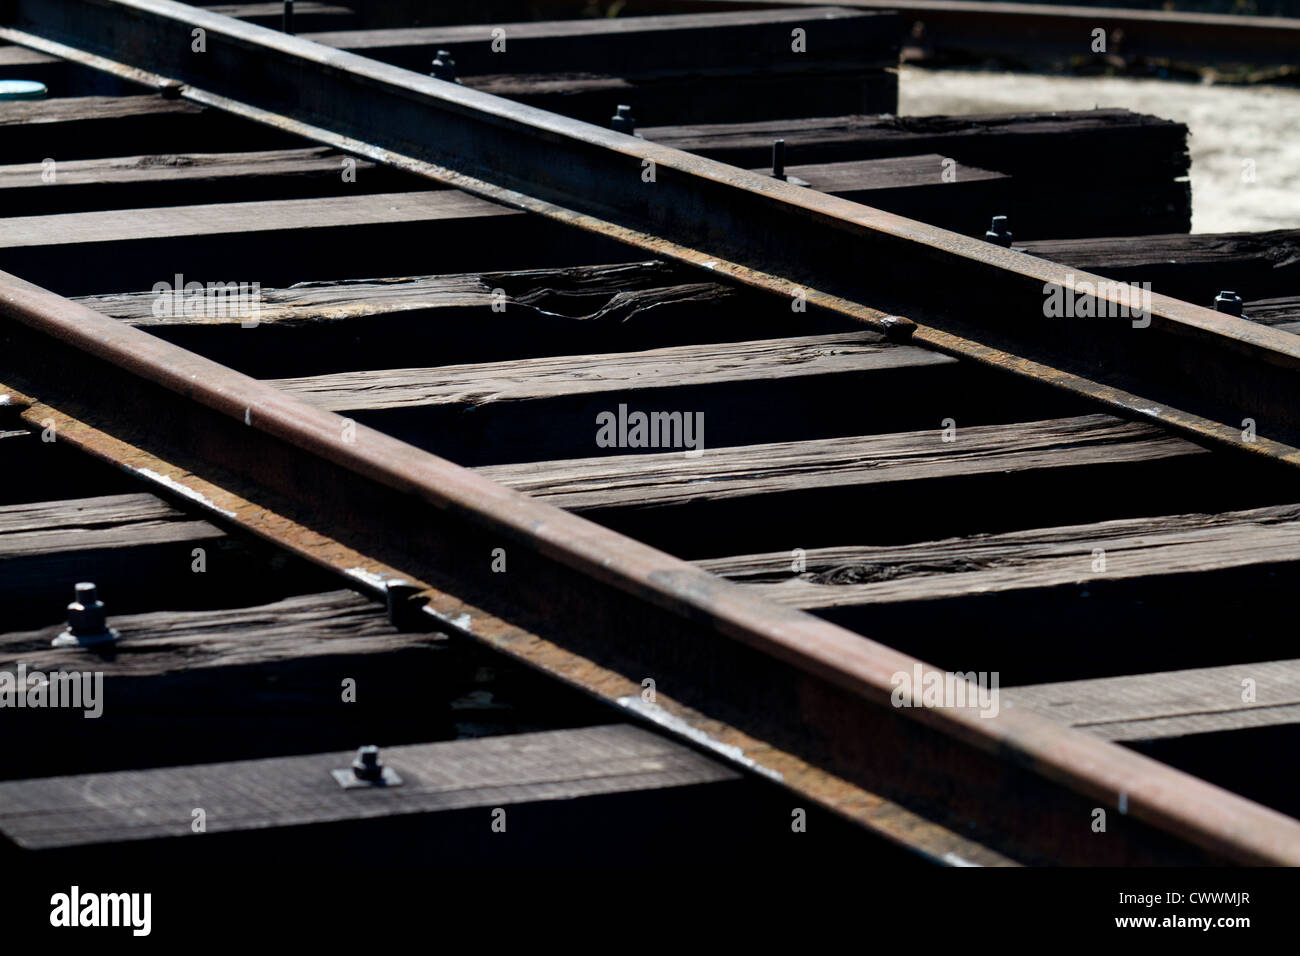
(666, 474)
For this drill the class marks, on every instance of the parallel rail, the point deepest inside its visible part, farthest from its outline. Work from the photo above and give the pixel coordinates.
(767, 687)
(1191, 369)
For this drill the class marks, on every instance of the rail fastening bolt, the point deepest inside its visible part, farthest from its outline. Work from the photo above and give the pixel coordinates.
(367, 765)
(998, 233)
(403, 613)
(444, 67)
(86, 617)
(1228, 302)
(778, 159)
(622, 121)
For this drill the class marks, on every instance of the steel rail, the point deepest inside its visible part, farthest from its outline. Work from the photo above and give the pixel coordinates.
(1212, 377)
(770, 689)
(778, 691)
(1021, 29)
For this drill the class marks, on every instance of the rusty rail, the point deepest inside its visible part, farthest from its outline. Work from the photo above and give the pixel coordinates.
(1185, 366)
(770, 689)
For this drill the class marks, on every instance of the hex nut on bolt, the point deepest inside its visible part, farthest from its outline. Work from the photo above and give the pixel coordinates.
(1228, 303)
(87, 620)
(623, 121)
(367, 770)
(367, 765)
(998, 233)
(403, 613)
(444, 67)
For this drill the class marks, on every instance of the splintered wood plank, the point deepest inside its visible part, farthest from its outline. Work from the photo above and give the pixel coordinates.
(614, 293)
(1195, 268)
(541, 408)
(1021, 560)
(111, 521)
(118, 182)
(674, 478)
(931, 188)
(278, 242)
(691, 43)
(138, 549)
(172, 222)
(680, 98)
(675, 367)
(129, 543)
(1170, 704)
(294, 791)
(1281, 312)
(312, 328)
(332, 623)
(119, 170)
(898, 172)
(83, 127)
(1118, 171)
(942, 191)
(1043, 145)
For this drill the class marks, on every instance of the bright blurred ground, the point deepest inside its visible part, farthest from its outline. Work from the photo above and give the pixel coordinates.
(1229, 124)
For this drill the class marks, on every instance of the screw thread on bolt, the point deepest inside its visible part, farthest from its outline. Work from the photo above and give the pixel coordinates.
(998, 233)
(1228, 303)
(622, 121)
(288, 17)
(778, 158)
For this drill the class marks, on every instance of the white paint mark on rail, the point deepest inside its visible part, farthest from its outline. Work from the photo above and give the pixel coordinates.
(671, 722)
(184, 491)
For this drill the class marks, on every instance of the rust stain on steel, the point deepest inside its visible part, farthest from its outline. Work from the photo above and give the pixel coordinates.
(1159, 795)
